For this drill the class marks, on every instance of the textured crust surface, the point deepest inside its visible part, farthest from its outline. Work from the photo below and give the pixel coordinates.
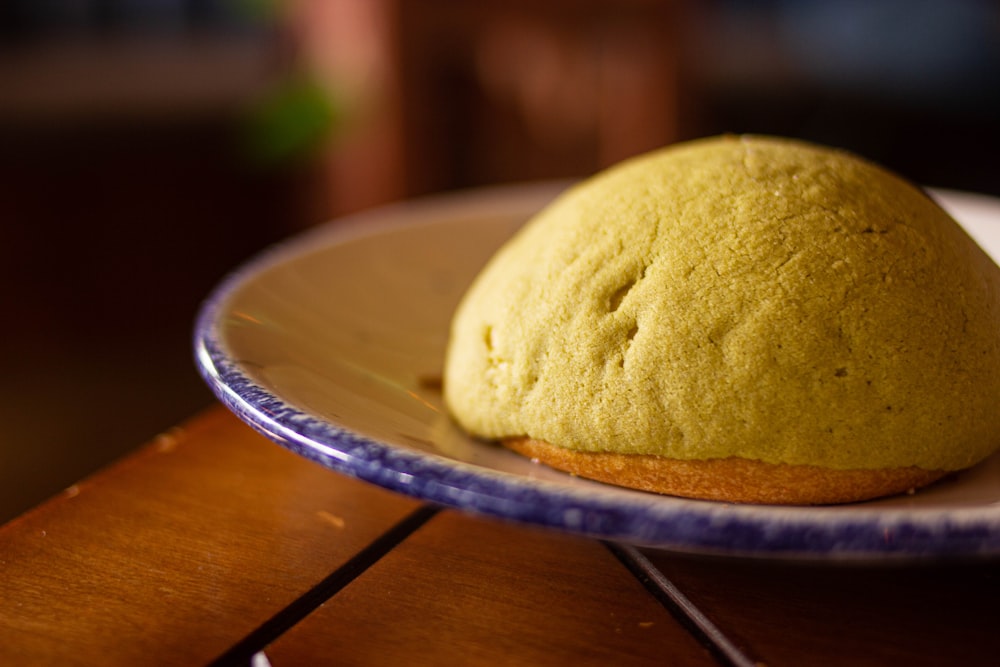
(731, 479)
(737, 297)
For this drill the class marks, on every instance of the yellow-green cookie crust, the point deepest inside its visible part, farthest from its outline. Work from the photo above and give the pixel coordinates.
(737, 296)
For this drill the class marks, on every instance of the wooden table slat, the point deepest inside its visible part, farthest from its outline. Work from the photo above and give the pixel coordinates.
(189, 547)
(471, 591)
(180, 550)
(826, 614)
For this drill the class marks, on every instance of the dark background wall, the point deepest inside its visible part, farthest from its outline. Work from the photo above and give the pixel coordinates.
(147, 147)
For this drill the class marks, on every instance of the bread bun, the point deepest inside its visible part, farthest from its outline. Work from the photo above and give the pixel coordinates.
(738, 318)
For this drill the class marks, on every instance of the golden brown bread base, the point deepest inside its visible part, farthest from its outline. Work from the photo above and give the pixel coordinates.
(730, 479)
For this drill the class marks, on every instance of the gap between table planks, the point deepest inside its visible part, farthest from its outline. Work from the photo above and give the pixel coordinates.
(212, 543)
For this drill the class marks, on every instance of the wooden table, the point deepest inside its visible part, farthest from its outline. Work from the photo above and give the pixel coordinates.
(211, 545)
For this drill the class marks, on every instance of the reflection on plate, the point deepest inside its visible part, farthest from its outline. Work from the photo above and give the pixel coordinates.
(331, 344)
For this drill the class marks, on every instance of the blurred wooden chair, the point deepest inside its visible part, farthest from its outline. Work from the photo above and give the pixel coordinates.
(441, 95)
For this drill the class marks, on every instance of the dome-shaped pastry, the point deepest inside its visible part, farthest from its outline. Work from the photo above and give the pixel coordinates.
(737, 318)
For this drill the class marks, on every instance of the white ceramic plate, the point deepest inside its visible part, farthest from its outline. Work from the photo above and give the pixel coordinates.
(331, 344)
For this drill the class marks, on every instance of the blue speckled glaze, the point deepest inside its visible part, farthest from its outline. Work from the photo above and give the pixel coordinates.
(844, 533)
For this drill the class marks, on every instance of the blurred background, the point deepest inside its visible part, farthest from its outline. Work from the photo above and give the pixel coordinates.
(149, 146)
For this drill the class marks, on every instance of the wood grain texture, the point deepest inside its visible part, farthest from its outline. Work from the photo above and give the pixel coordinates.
(471, 591)
(824, 614)
(178, 551)
(185, 550)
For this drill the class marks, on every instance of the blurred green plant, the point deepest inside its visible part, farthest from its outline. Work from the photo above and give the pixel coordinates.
(256, 9)
(292, 122)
